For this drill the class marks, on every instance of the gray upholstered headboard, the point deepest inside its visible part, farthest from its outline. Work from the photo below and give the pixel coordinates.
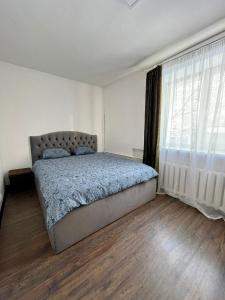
(68, 140)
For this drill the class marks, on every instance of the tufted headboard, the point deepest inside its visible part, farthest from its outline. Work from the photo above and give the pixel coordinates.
(68, 140)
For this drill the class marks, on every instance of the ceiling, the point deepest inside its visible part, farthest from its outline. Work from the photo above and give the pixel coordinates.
(96, 41)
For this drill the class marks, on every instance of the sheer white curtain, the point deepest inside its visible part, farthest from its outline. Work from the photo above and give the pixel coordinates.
(192, 136)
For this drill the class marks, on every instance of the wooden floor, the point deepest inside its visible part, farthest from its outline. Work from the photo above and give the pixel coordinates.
(163, 250)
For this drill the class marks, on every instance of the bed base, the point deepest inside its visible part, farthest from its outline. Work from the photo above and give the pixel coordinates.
(85, 220)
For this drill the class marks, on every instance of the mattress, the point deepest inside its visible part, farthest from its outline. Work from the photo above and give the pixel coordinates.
(70, 182)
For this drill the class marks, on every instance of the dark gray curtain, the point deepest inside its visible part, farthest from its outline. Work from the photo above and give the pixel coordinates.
(152, 116)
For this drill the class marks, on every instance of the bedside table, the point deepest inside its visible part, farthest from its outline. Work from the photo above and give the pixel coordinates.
(21, 179)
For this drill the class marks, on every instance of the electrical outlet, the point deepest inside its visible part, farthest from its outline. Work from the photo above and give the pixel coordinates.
(137, 153)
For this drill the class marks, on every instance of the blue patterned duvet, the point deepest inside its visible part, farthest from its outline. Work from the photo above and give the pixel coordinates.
(69, 182)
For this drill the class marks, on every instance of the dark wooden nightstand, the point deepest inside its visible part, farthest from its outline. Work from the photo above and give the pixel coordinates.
(21, 179)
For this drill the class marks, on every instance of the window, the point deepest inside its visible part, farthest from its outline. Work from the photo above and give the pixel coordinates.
(193, 101)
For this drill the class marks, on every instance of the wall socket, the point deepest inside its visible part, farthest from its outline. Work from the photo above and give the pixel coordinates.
(137, 153)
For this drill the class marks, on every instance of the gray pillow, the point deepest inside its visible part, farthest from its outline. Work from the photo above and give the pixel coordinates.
(82, 150)
(54, 153)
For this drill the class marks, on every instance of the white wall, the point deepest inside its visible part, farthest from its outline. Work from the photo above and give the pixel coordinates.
(124, 103)
(34, 103)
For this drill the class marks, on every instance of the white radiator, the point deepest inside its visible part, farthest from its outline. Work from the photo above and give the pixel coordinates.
(209, 186)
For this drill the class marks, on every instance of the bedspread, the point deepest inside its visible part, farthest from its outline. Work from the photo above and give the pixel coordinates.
(69, 182)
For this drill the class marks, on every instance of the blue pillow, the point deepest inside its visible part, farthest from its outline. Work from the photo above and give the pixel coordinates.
(54, 153)
(83, 150)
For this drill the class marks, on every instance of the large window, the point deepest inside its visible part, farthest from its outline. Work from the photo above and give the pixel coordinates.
(193, 101)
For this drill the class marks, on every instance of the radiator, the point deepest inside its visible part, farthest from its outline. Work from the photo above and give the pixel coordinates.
(208, 187)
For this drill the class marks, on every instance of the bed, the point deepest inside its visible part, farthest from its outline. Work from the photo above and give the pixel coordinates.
(81, 194)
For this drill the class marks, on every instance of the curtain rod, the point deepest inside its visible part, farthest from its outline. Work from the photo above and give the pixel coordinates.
(190, 49)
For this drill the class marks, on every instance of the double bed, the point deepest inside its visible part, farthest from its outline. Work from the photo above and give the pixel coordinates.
(80, 194)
